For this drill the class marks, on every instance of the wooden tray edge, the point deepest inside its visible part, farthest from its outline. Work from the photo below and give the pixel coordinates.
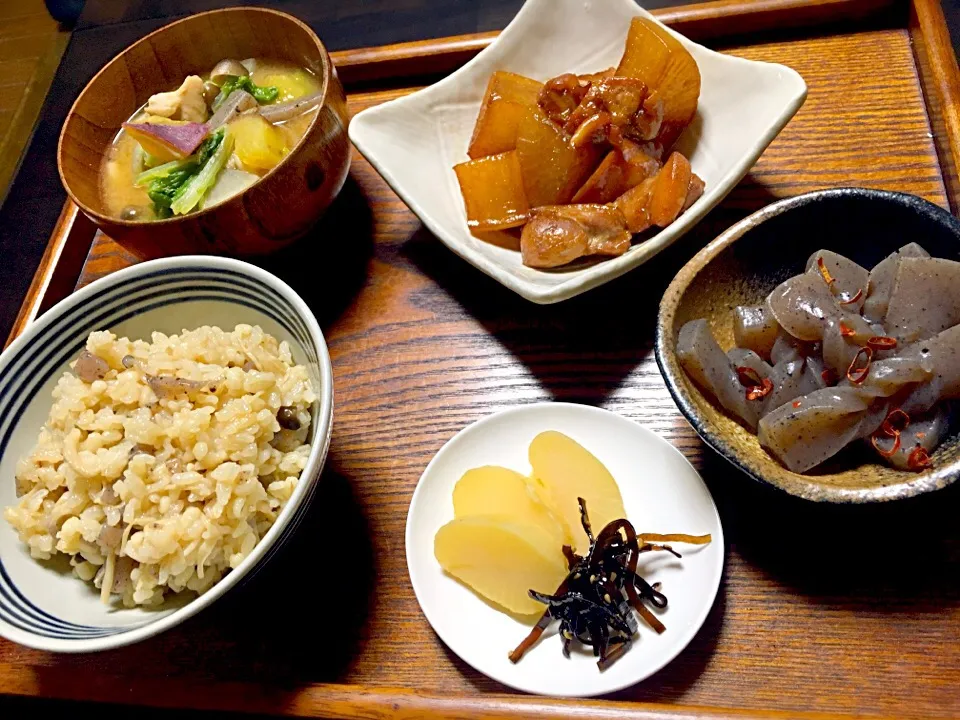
(703, 21)
(60, 267)
(354, 702)
(940, 80)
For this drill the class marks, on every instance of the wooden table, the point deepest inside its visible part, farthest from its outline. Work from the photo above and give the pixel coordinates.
(822, 608)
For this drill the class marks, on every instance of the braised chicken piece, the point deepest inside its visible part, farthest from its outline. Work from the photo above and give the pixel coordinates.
(559, 234)
(561, 95)
(185, 103)
(602, 110)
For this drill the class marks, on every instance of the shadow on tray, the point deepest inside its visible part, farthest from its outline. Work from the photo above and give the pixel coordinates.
(301, 618)
(582, 349)
(888, 557)
(328, 266)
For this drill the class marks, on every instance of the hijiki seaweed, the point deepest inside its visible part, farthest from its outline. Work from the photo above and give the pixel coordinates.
(594, 600)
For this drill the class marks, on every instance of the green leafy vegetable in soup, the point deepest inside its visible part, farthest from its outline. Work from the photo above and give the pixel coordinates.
(163, 190)
(166, 189)
(262, 95)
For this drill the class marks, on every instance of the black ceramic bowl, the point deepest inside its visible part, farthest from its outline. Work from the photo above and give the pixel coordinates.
(743, 265)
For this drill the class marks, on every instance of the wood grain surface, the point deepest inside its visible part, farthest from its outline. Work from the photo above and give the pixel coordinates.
(701, 22)
(940, 79)
(822, 608)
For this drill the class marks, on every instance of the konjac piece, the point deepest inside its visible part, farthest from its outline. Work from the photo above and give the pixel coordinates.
(843, 336)
(755, 328)
(925, 299)
(847, 280)
(506, 101)
(551, 168)
(941, 354)
(790, 380)
(493, 192)
(804, 433)
(705, 362)
(881, 281)
(559, 234)
(925, 431)
(802, 305)
(657, 58)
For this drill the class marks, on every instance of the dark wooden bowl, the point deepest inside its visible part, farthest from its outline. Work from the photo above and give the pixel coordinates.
(270, 214)
(749, 260)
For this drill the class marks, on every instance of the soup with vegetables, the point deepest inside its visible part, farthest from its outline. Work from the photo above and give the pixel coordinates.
(209, 139)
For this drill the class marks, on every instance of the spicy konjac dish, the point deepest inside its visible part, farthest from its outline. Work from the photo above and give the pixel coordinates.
(584, 162)
(209, 139)
(839, 354)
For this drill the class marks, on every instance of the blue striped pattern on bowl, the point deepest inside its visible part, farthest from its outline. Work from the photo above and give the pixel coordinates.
(167, 296)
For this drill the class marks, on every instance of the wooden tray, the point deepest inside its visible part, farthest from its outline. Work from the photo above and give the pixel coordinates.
(822, 609)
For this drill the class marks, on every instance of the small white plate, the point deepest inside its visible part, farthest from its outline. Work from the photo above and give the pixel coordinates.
(661, 493)
(415, 141)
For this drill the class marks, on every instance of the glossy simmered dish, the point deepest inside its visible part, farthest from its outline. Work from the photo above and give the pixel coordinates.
(583, 162)
(840, 354)
(208, 140)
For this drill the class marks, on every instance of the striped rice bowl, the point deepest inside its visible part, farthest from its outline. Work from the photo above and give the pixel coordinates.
(162, 464)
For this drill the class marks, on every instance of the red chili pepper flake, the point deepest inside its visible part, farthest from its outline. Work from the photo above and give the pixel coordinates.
(765, 388)
(827, 277)
(921, 435)
(829, 376)
(846, 330)
(852, 300)
(756, 386)
(797, 403)
(895, 422)
(855, 373)
(919, 459)
(891, 451)
(882, 342)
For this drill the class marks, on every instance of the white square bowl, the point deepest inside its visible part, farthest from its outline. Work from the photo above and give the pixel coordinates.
(415, 141)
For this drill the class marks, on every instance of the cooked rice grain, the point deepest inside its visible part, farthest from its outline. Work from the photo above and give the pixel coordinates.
(152, 484)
